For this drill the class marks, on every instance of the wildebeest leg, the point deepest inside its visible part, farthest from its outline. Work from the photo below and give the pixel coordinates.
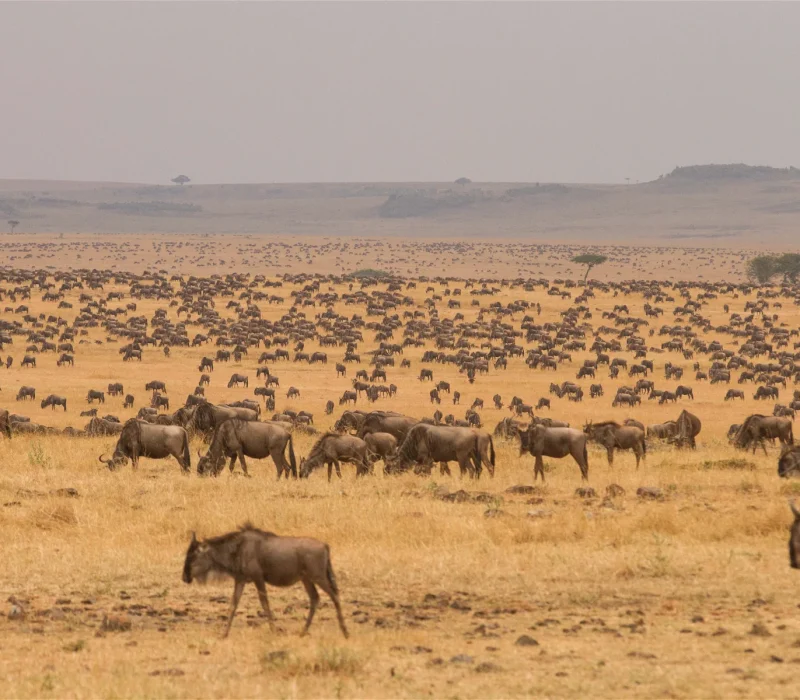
(444, 468)
(237, 594)
(313, 600)
(262, 596)
(280, 462)
(233, 462)
(610, 454)
(325, 585)
(538, 468)
(242, 462)
(135, 460)
(338, 471)
(330, 470)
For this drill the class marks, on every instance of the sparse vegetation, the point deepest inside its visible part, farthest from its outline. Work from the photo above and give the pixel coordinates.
(591, 260)
(180, 180)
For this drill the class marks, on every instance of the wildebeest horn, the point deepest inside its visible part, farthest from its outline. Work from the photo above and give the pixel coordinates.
(104, 461)
(194, 537)
(794, 510)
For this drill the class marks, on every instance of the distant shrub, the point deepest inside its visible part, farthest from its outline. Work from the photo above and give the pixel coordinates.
(369, 272)
(150, 208)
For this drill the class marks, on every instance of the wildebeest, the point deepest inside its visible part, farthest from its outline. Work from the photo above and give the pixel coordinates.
(159, 401)
(614, 436)
(384, 422)
(93, 396)
(331, 449)
(794, 539)
(426, 374)
(734, 394)
(66, 359)
(25, 393)
(557, 443)
(237, 379)
(757, 428)
(543, 403)
(52, 400)
(425, 444)
(239, 438)
(28, 361)
(91, 413)
(249, 555)
(101, 426)
(293, 393)
(207, 417)
(380, 446)
(684, 391)
(663, 431)
(766, 392)
(155, 386)
(789, 461)
(5, 423)
(141, 439)
(115, 389)
(128, 401)
(329, 407)
(206, 364)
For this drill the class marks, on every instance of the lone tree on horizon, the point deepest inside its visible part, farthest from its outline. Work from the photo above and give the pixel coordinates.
(13, 223)
(463, 181)
(590, 260)
(180, 180)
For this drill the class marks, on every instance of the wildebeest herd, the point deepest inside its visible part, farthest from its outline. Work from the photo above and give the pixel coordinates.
(396, 337)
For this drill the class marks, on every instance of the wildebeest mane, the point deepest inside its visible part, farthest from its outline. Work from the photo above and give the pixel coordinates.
(316, 448)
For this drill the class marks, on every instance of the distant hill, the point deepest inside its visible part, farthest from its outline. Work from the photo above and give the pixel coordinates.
(734, 205)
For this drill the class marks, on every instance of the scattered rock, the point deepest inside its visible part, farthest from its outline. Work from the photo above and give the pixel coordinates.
(526, 641)
(759, 630)
(641, 655)
(539, 513)
(462, 659)
(698, 618)
(614, 491)
(484, 497)
(16, 612)
(459, 496)
(65, 493)
(441, 492)
(487, 667)
(776, 659)
(522, 489)
(116, 623)
(494, 513)
(585, 492)
(651, 493)
(276, 656)
(168, 672)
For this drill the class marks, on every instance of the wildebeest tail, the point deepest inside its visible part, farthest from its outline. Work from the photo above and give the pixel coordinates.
(791, 435)
(491, 451)
(476, 458)
(329, 571)
(292, 459)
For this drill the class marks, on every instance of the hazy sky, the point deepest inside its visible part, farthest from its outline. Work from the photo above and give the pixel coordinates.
(263, 92)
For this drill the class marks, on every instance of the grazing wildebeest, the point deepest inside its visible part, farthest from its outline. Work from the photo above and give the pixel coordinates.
(100, 426)
(341, 370)
(757, 428)
(426, 374)
(159, 401)
(329, 406)
(557, 443)
(667, 396)
(477, 403)
(140, 439)
(456, 398)
(237, 379)
(28, 361)
(128, 401)
(614, 436)
(380, 446)
(435, 398)
(155, 386)
(332, 448)
(689, 427)
(543, 403)
(595, 390)
(443, 386)
(348, 396)
(734, 394)
(115, 389)
(425, 444)
(498, 401)
(384, 422)
(684, 391)
(206, 364)
(93, 396)
(627, 399)
(663, 431)
(66, 359)
(239, 438)
(52, 400)
(207, 417)
(25, 393)
(789, 461)
(766, 392)
(205, 380)
(293, 393)
(249, 555)
(91, 413)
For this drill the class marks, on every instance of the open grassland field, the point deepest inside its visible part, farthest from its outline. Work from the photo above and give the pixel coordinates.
(451, 587)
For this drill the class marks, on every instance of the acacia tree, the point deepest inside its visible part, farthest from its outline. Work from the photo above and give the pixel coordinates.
(180, 180)
(788, 265)
(590, 260)
(762, 269)
(13, 223)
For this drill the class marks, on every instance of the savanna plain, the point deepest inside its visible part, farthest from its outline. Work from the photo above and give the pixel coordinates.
(503, 592)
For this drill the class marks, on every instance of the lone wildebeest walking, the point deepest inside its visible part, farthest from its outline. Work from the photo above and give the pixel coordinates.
(140, 439)
(253, 556)
(556, 443)
(612, 435)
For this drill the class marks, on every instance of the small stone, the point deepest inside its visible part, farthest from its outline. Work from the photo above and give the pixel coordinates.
(16, 612)
(614, 491)
(776, 659)
(487, 667)
(459, 496)
(539, 513)
(521, 489)
(650, 493)
(586, 492)
(759, 630)
(526, 641)
(698, 618)
(494, 513)
(462, 659)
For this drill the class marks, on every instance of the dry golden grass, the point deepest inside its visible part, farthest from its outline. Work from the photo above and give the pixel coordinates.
(624, 597)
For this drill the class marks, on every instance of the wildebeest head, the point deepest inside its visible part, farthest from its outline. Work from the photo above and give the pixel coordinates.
(199, 561)
(118, 459)
(207, 465)
(794, 538)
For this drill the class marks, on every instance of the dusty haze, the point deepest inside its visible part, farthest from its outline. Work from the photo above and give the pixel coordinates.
(302, 92)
